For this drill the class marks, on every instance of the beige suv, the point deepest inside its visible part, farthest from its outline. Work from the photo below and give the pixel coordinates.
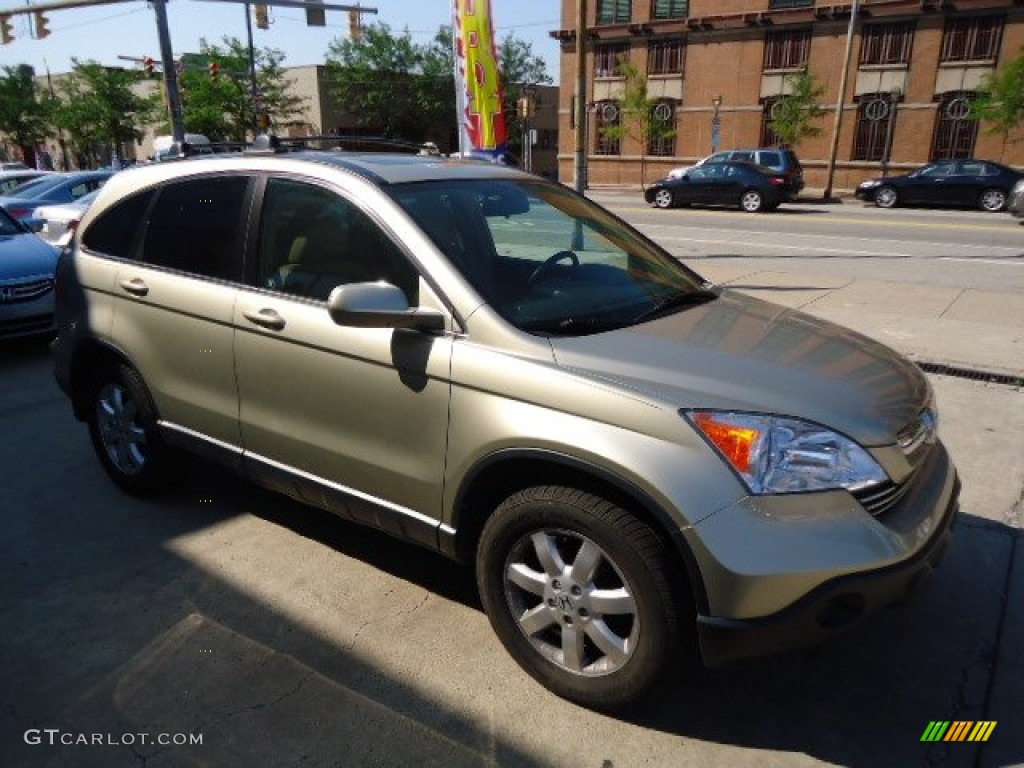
(485, 363)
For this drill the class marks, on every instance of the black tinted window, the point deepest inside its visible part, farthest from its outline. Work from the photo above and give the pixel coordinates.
(195, 225)
(113, 233)
(312, 240)
(771, 159)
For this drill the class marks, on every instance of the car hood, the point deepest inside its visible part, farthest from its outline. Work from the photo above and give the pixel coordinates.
(740, 353)
(25, 255)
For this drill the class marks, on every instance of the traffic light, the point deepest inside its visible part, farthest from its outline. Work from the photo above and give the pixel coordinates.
(147, 65)
(42, 28)
(6, 29)
(262, 16)
(214, 71)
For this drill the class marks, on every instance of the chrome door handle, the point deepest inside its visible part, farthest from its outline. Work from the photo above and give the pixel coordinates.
(266, 318)
(136, 286)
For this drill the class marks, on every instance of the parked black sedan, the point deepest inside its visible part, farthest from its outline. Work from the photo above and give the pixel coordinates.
(751, 187)
(966, 183)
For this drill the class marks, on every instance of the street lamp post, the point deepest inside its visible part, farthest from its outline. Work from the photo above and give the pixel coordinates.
(716, 123)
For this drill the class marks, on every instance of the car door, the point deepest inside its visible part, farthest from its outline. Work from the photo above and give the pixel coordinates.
(965, 183)
(352, 419)
(697, 186)
(175, 306)
(931, 185)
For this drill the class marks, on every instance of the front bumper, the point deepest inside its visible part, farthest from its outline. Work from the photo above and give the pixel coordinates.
(866, 194)
(842, 601)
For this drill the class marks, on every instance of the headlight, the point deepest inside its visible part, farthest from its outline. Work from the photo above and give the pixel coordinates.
(774, 454)
(869, 184)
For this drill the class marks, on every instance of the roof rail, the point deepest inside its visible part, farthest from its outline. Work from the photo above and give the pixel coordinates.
(269, 143)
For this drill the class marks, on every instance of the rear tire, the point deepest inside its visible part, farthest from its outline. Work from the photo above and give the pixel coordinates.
(992, 200)
(123, 426)
(582, 594)
(751, 201)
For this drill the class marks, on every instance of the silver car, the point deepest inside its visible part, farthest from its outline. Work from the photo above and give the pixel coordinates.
(1015, 203)
(637, 462)
(56, 223)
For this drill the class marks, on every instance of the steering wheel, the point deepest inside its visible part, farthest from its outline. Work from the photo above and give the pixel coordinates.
(541, 272)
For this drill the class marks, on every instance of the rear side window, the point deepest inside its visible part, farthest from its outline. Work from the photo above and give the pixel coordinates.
(113, 233)
(771, 159)
(195, 227)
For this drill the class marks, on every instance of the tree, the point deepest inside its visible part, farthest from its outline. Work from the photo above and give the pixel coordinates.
(794, 115)
(637, 118)
(1001, 99)
(102, 110)
(24, 116)
(378, 77)
(392, 86)
(224, 109)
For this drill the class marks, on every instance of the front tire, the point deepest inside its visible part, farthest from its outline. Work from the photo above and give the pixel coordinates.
(663, 198)
(123, 426)
(992, 200)
(582, 595)
(751, 201)
(886, 196)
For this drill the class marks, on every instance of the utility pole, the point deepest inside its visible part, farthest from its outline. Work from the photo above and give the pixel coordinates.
(170, 72)
(837, 122)
(580, 105)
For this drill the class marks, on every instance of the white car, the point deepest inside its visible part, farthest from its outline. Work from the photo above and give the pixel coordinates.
(56, 224)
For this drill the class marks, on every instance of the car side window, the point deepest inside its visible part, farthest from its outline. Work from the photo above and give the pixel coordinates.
(771, 159)
(114, 232)
(195, 227)
(972, 169)
(312, 240)
(747, 156)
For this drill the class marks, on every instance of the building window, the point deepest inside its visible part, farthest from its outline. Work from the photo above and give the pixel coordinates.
(769, 110)
(955, 132)
(791, 4)
(886, 43)
(607, 116)
(665, 57)
(662, 142)
(787, 49)
(876, 116)
(671, 9)
(614, 11)
(972, 39)
(606, 59)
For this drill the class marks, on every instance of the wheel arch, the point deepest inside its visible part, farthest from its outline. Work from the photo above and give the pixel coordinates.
(89, 357)
(503, 473)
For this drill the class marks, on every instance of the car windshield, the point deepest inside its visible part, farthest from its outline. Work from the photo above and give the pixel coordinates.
(548, 260)
(8, 226)
(38, 187)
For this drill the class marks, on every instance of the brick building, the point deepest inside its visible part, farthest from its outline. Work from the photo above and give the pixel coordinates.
(719, 67)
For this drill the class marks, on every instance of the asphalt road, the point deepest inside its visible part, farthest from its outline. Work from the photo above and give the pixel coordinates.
(945, 247)
(280, 635)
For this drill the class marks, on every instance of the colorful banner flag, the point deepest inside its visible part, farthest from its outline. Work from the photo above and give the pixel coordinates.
(479, 95)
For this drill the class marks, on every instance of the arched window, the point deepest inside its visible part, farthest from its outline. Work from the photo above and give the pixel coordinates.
(955, 133)
(607, 116)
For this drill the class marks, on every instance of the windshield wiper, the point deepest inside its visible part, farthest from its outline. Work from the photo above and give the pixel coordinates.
(573, 326)
(677, 301)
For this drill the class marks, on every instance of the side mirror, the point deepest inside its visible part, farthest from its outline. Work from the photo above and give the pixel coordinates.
(35, 225)
(379, 305)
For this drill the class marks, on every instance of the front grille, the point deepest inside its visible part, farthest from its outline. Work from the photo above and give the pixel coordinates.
(879, 499)
(23, 326)
(29, 290)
